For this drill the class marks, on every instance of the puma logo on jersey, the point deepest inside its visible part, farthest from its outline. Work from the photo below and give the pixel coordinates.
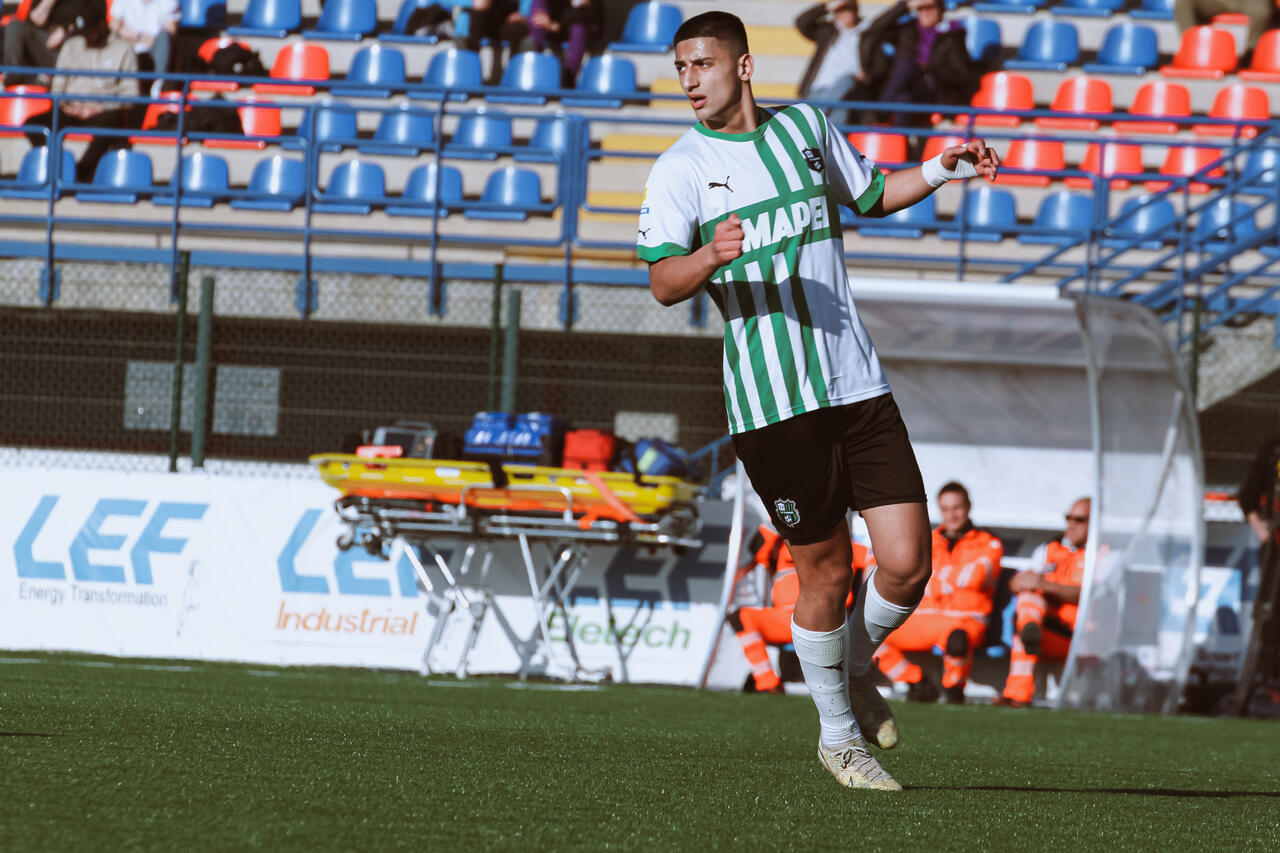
(644, 232)
(711, 185)
(813, 157)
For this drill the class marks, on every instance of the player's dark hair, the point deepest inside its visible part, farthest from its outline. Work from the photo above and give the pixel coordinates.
(953, 486)
(721, 26)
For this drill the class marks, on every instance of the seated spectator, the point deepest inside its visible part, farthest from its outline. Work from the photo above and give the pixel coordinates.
(150, 26)
(1047, 597)
(567, 26)
(1191, 13)
(953, 613)
(498, 22)
(92, 47)
(35, 42)
(930, 63)
(614, 18)
(835, 72)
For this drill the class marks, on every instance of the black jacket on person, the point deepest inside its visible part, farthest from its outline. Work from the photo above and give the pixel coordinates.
(814, 24)
(1258, 493)
(954, 74)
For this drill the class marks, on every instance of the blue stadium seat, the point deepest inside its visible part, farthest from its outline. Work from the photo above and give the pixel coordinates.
(516, 191)
(1066, 212)
(205, 181)
(1153, 10)
(478, 134)
(32, 180)
(272, 18)
(982, 37)
(1215, 229)
(373, 66)
(345, 20)
(987, 208)
(550, 134)
(203, 14)
(1048, 45)
(1088, 8)
(353, 187)
(909, 223)
(454, 68)
(528, 72)
(420, 195)
(605, 81)
(649, 28)
(1008, 7)
(1127, 48)
(400, 29)
(1261, 168)
(406, 131)
(121, 177)
(1146, 218)
(335, 125)
(278, 183)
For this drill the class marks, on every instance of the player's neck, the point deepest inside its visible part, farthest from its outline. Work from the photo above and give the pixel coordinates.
(743, 118)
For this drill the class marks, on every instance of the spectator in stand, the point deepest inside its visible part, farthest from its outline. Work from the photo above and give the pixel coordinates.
(90, 46)
(1191, 13)
(1047, 597)
(498, 22)
(35, 42)
(567, 26)
(835, 72)
(614, 18)
(929, 61)
(953, 613)
(150, 26)
(1259, 494)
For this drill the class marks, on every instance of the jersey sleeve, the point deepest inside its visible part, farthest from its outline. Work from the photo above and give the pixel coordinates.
(668, 214)
(855, 180)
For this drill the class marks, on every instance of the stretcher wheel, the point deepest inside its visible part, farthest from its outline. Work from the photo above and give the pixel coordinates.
(373, 545)
(345, 541)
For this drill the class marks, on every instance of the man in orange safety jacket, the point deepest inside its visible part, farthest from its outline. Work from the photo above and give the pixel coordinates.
(957, 601)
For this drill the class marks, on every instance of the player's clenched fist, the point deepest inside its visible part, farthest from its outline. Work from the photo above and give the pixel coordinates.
(726, 243)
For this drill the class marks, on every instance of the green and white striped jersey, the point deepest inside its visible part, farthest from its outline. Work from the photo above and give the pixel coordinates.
(793, 341)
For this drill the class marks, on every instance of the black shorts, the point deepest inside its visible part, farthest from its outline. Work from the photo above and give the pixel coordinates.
(811, 469)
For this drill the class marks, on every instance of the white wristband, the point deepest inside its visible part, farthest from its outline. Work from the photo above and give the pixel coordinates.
(935, 175)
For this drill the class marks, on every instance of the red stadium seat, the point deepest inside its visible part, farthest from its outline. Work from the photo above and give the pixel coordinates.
(1228, 18)
(1003, 91)
(1182, 161)
(1032, 154)
(1120, 159)
(14, 111)
(1238, 102)
(256, 120)
(21, 14)
(1266, 58)
(307, 63)
(152, 117)
(206, 51)
(1078, 95)
(1158, 99)
(935, 144)
(885, 149)
(1204, 52)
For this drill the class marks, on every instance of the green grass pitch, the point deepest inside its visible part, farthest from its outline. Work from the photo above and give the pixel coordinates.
(98, 754)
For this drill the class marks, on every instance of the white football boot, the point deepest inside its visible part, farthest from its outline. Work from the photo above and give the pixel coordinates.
(853, 767)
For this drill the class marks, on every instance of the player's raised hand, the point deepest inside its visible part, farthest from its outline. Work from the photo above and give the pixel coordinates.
(984, 161)
(726, 243)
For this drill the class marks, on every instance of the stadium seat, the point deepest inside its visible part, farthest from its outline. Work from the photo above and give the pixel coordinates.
(1120, 158)
(24, 6)
(935, 145)
(20, 103)
(1127, 48)
(1265, 65)
(1032, 155)
(883, 149)
(1088, 8)
(400, 28)
(1261, 169)
(206, 51)
(205, 180)
(1153, 10)
(454, 68)
(605, 81)
(1157, 99)
(335, 125)
(32, 180)
(1239, 103)
(1048, 45)
(257, 121)
(1010, 7)
(982, 37)
(353, 187)
(378, 69)
(121, 177)
(513, 191)
(1203, 53)
(420, 196)
(203, 14)
(550, 134)
(649, 28)
(1068, 213)
(345, 20)
(529, 71)
(1003, 91)
(1075, 96)
(1153, 220)
(910, 223)
(406, 131)
(985, 208)
(1183, 161)
(277, 183)
(306, 63)
(478, 134)
(1223, 222)
(270, 18)
(150, 118)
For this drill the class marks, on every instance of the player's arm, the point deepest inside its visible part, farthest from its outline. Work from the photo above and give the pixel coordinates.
(909, 186)
(1066, 593)
(679, 277)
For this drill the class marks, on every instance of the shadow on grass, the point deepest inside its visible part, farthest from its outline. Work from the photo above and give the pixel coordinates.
(25, 734)
(1149, 792)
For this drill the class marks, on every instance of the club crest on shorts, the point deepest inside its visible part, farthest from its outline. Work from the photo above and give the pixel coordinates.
(813, 157)
(787, 512)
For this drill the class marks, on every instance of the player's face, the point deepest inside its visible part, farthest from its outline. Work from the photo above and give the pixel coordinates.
(1077, 532)
(710, 76)
(955, 511)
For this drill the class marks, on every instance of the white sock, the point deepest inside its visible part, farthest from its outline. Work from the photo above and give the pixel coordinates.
(821, 655)
(873, 619)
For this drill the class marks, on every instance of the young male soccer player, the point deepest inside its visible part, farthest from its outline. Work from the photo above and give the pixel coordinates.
(744, 205)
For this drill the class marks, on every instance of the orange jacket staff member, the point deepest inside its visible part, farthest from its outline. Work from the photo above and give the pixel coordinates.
(957, 601)
(760, 627)
(1047, 599)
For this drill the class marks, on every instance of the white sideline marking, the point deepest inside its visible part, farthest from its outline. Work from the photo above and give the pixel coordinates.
(569, 688)
(20, 660)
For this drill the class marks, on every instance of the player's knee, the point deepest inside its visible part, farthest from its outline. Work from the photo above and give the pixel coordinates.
(957, 643)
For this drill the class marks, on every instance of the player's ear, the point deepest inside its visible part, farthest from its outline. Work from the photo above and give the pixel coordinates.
(746, 67)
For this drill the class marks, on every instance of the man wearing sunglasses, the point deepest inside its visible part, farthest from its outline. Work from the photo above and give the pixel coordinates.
(1048, 595)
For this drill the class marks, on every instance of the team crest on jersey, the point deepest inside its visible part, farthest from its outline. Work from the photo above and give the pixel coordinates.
(787, 512)
(813, 157)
